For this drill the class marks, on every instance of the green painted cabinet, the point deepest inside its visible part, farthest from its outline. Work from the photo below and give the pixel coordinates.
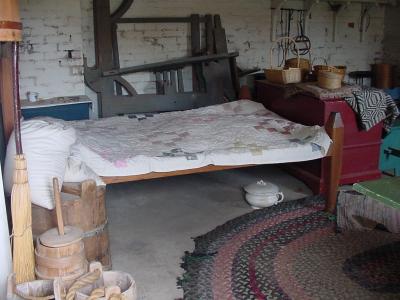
(390, 160)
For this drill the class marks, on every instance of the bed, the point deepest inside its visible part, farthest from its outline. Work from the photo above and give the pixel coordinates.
(154, 145)
(218, 137)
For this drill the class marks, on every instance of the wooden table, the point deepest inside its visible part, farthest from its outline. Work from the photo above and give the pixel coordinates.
(360, 149)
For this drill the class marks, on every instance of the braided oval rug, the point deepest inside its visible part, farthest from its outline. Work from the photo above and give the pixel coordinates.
(292, 251)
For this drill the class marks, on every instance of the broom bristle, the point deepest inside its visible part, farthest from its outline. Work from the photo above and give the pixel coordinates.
(21, 211)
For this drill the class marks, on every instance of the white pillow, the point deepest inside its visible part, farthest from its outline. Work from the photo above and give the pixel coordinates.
(46, 145)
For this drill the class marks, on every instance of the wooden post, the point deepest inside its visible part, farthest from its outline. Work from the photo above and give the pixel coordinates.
(335, 129)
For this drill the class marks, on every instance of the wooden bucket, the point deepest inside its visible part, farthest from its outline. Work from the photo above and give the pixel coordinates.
(83, 206)
(38, 289)
(124, 282)
(10, 22)
(68, 261)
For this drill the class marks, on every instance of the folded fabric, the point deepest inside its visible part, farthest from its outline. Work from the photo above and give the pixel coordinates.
(373, 106)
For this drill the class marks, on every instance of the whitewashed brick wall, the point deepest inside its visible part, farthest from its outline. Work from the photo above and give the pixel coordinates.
(247, 23)
(248, 27)
(50, 28)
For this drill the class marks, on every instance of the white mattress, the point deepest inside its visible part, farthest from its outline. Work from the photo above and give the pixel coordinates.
(237, 133)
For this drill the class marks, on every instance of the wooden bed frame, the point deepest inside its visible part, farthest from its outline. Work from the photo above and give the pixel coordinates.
(335, 130)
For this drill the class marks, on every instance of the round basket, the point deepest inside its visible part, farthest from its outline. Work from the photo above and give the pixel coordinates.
(329, 80)
(341, 70)
(284, 75)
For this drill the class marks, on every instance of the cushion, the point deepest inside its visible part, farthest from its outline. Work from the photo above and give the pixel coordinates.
(46, 145)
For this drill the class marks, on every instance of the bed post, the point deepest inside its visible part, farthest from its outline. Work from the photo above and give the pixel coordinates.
(334, 127)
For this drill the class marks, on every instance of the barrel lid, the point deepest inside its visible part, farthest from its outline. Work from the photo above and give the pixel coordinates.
(261, 188)
(52, 239)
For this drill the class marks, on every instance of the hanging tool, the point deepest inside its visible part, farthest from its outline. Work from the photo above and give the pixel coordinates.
(365, 20)
(301, 39)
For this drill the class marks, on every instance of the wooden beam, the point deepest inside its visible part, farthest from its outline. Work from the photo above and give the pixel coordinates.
(157, 20)
(121, 10)
(170, 64)
(335, 130)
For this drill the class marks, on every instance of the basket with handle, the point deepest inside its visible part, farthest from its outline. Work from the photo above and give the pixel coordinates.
(284, 75)
(317, 68)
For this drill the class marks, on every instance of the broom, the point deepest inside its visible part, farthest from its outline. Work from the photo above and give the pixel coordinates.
(21, 209)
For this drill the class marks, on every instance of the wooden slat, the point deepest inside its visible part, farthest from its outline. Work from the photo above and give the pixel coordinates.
(197, 77)
(154, 20)
(154, 175)
(209, 35)
(220, 36)
(159, 83)
(165, 77)
(181, 88)
(172, 76)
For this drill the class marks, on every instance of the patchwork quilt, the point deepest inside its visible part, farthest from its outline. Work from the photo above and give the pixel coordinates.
(236, 133)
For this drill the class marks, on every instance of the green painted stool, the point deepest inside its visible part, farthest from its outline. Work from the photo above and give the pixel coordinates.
(371, 203)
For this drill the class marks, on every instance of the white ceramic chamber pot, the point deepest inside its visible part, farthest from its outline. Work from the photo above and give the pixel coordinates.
(263, 194)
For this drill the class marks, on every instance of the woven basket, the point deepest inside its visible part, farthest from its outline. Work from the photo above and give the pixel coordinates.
(284, 75)
(304, 65)
(329, 80)
(337, 69)
(341, 70)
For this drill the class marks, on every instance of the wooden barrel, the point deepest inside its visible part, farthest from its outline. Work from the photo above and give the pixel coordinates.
(83, 206)
(382, 76)
(10, 23)
(67, 261)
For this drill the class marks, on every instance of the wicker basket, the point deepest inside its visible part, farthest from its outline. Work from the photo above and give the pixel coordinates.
(337, 69)
(304, 65)
(284, 75)
(341, 70)
(329, 80)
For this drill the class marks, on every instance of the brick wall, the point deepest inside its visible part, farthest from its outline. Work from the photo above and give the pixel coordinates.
(247, 24)
(50, 28)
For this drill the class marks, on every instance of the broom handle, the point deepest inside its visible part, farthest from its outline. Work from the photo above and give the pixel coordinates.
(17, 102)
(57, 200)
